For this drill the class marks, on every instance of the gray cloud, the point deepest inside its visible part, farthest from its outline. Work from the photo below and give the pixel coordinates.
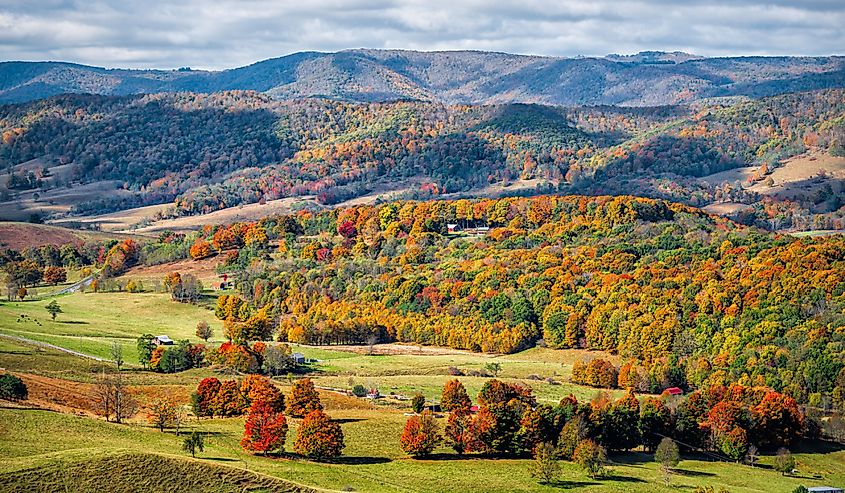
(229, 33)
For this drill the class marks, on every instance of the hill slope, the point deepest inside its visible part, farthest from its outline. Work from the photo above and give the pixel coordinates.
(454, 77)
(230, 148)
(135, 471)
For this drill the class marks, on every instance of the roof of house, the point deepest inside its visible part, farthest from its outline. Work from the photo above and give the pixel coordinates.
(163, 338)
(674, 391)
(824, 489)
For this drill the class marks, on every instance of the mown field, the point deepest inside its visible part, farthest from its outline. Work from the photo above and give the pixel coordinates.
(92, 322)
(35, 443)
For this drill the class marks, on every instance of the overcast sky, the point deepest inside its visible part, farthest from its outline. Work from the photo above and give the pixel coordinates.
(230, 33)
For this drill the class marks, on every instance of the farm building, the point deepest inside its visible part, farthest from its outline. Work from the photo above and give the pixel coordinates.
(162, 340)
(824, 489)
(298, 358)
(674, 391)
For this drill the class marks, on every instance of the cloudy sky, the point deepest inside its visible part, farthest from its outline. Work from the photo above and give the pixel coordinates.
(230, 33)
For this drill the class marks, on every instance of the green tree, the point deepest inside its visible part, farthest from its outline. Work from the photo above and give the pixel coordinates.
(145, 348)
(591, 457)
(668, 456)
(545, 466)
(494, 368)
(418, 403)
(117, 354)
(12, 388)
(54, 309)
(193, 443)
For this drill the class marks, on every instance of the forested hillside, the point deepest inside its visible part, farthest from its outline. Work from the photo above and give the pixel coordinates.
(692, 299)
(456, 77)
(214, 151)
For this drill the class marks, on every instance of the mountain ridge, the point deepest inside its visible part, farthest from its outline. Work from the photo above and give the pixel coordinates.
(451, 77)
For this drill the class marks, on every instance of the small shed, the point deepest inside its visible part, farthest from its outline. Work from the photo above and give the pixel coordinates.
(162, 340)
(825, 489)
(298, 358)
(674, 391)
(452, 227)
(373, 394)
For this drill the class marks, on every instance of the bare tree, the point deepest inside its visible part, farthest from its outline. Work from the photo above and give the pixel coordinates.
(117, 354)
(115, 401)
(752, 455)
(372, 339)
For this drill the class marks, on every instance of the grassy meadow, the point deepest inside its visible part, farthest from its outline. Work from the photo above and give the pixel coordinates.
(55, 431)
(92, 322)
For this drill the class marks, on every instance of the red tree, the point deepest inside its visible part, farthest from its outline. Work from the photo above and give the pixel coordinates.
(265, 429)
(203, 398)
(777, 420)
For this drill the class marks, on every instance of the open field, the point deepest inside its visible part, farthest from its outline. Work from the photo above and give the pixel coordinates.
(372, 460)
(201, 269)
(251, 212)
(91, 322)
(115, 221)
(18, 235)
(794, 177)
(58, 201)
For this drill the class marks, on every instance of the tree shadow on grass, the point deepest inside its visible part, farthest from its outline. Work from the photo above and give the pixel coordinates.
(692, 474)
(452, 457)
(359, 461)
(73, 322)
(618, 478)
(569, 485)
(344, 421)
(220, 459)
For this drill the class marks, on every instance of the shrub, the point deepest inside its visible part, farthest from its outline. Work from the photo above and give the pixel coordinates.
(12, 388)
(784, 462)
(418, 403)
(359, 390)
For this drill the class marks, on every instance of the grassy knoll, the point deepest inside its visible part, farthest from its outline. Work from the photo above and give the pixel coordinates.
(91, 322)
(372, 460)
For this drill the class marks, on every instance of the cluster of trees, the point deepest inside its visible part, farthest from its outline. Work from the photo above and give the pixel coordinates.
(266, 427)
(730, 421)
(691, 300)
(169, 359)
(233, 398)
(49, 263)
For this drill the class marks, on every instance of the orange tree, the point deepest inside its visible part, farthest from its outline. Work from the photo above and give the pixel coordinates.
(303, 398)
(259, 388)
(454, 397)
(421, 435)
(319, 437)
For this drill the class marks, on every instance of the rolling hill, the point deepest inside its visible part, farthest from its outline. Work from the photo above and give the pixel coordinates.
(451, 77)
(207, 152)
